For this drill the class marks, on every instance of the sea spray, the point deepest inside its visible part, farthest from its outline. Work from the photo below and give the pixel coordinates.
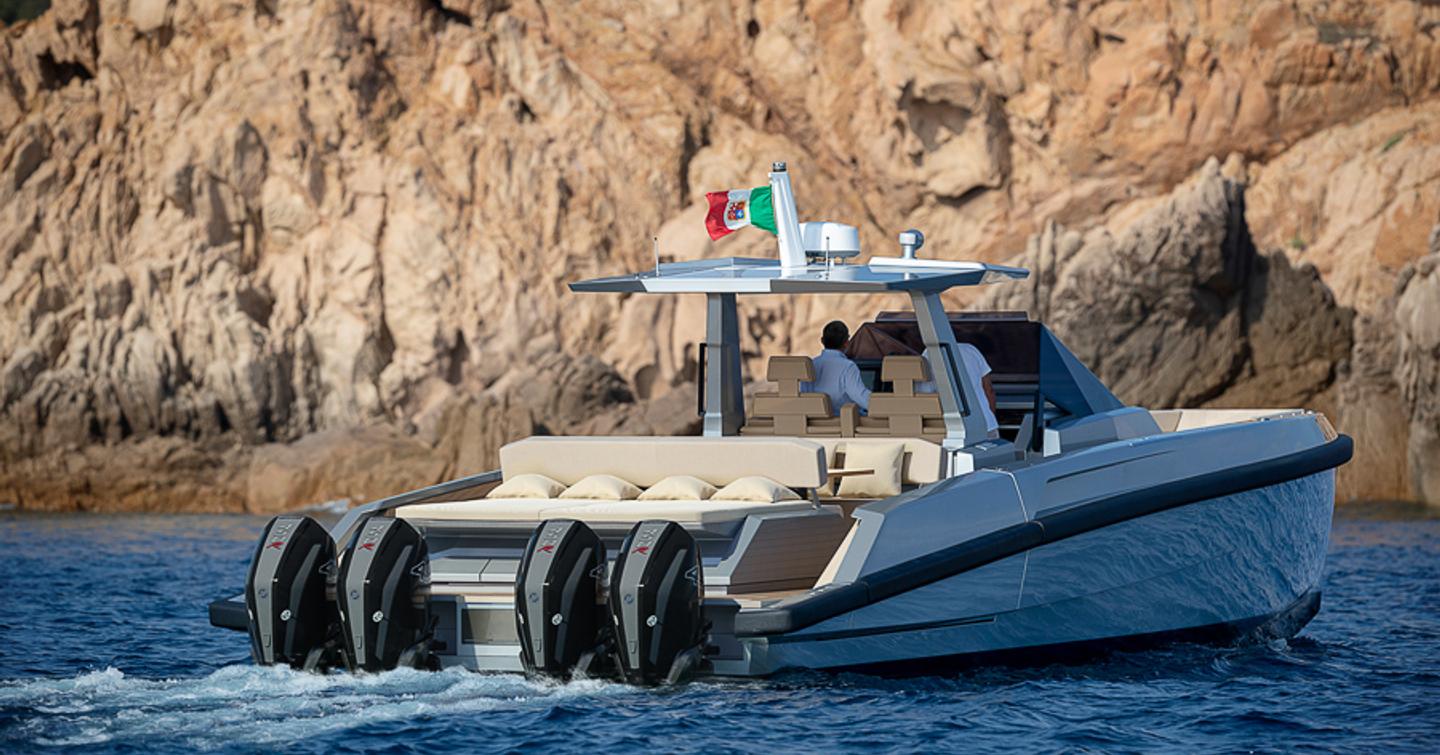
(262, 706)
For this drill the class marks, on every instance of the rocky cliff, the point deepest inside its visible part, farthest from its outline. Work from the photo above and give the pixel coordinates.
(259, 254)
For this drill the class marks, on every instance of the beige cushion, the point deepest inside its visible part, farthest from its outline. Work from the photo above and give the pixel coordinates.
(527, 486)
(884, 458)
(680, 487)
(755, 488)
(897, 367)
(922, 457)
(804, 414)
(601, 487)
(790, 368)
(645, 461)
(902, 373)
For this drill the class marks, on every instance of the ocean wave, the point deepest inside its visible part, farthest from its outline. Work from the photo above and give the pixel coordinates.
(258, 706)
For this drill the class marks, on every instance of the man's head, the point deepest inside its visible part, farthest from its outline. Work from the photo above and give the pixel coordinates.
(835, 335)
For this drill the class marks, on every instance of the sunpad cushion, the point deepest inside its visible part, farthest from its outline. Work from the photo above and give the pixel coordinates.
(601, 487)
(527, 486)
(755, 488)
(680, 487)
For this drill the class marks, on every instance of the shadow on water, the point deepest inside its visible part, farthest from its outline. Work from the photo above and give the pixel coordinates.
(1388, 511)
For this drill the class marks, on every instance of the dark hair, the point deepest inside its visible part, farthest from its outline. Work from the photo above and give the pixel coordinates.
(835, 335)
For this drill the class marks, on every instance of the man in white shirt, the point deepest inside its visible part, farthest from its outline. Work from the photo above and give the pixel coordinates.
(835, 375)
(979, 371)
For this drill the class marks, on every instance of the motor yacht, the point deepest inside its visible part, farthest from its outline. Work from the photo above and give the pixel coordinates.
(793, 534)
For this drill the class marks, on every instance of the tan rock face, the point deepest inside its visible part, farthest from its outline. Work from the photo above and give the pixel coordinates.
(1180, 310)
(230, 225)
(1417, 318)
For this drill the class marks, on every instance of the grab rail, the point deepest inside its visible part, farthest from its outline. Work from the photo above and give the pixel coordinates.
(354, 517)
(700, 355)
(230, 613)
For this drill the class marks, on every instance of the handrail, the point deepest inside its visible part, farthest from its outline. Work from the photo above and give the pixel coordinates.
(352, 519)
(700, 354)
(1037, 429)
(225, 613)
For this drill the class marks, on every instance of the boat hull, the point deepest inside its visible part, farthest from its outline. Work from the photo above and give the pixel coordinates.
(1282, 624)
(1215, 569)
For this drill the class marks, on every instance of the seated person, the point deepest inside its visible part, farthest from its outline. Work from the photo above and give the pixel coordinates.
(979, 371)
(835, 375)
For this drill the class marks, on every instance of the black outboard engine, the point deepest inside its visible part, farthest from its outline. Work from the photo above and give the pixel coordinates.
(291, 619)
(657, 595)
(383, 625)
(560, 611)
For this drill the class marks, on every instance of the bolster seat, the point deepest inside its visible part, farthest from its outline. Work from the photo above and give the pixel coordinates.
(788, 410)
(903, 412)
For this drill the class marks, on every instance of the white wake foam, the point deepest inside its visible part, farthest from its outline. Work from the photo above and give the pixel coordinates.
(258, 706)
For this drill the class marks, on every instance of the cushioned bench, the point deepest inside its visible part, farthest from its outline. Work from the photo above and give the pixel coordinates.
(687, 513)
(643, 461)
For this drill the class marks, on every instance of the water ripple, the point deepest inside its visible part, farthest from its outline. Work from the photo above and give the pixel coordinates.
(104, 645)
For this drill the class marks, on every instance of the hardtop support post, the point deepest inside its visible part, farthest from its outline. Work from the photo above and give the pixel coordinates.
(724, 394)
(964, 422)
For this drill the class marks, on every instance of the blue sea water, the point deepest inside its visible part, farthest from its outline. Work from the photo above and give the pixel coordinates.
(105, 646)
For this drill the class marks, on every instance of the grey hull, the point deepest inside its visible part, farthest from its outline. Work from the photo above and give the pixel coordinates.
(1282, 624)
(1212, 567)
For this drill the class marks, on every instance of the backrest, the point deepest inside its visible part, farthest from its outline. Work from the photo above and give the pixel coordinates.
(646, 460)
(804, 405)
(903, 372)
(787, 372)
(790, 409)
(926, 405)
(921, 463)
(905, 410)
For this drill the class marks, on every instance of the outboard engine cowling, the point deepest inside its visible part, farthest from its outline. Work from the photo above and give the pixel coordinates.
(289, 613)
(382, 623)
(560, 612)
(657, 593)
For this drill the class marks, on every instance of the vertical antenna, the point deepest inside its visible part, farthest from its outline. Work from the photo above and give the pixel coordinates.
(655, 247)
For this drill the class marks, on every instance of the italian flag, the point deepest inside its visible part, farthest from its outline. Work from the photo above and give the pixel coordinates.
(737, 208)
